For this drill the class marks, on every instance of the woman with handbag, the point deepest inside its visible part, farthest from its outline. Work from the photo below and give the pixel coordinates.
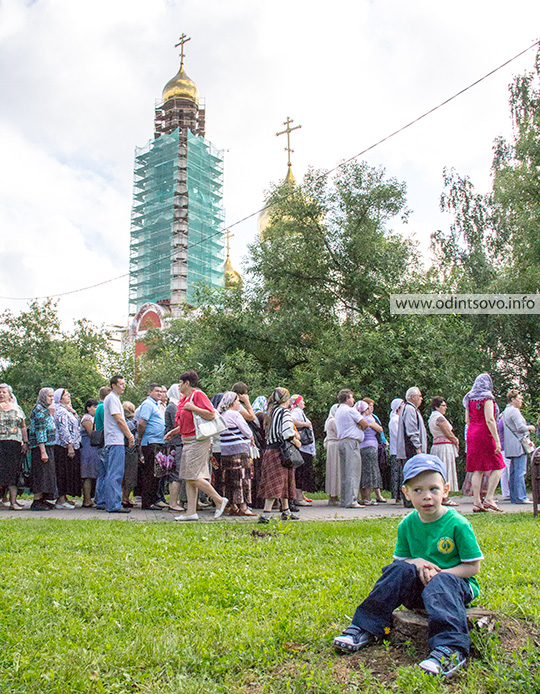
(515, 430)
(234, 470)
(304, 475)
(277, 478)
(194, 465)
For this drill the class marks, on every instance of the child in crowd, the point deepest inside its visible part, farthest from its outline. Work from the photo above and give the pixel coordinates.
(435, 562)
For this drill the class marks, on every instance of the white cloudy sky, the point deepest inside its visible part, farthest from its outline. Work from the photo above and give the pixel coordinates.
(79, 80)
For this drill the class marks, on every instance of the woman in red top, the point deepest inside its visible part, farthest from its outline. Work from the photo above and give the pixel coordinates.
(483, 444)
(194, 466)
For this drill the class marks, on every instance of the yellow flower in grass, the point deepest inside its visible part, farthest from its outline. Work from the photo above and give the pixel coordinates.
(386, 630)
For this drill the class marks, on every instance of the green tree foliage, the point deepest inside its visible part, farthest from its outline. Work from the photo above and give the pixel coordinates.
(36, 353)
(314, 313)
(493, 245)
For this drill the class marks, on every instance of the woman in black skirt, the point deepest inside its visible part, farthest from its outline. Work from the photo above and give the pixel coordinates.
(13, 443)
(67, 453)
(41, 437)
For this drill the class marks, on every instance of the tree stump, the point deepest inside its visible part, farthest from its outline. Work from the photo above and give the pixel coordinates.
(412, 627)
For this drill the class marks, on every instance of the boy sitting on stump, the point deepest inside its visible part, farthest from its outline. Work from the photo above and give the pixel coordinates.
(435, 563)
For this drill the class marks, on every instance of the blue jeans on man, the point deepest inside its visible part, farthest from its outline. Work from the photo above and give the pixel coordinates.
(99, 499)
(516, 481)
(112, 483)
(444, 598)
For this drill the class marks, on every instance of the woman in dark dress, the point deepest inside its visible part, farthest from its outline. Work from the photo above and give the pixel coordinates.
(41, 437)
(67, 449)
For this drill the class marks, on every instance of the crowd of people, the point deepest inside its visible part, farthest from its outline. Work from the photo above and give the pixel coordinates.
(241, 456)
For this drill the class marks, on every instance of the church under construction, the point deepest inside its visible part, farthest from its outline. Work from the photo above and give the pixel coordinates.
(177, 222)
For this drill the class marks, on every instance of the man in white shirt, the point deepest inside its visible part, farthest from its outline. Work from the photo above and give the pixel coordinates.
(350, 432)
(115, 429)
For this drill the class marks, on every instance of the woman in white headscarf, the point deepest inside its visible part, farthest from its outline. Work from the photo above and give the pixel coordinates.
(395, 467)
(13, 442)
(235, 462)
(332, 483)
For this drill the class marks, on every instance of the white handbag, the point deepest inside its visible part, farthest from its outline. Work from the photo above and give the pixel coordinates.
(206, 428)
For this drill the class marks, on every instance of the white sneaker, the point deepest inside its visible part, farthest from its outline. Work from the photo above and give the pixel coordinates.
(184, 517)
(219, 511)
(65, 505)
(444, 661)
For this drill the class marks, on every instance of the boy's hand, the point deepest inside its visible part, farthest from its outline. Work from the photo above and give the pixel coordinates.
(426, 570)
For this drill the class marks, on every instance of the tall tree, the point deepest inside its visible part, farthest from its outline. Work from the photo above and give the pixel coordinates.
(37, 353)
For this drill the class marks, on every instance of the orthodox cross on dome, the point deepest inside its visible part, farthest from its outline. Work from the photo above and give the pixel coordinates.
(288, 130)
(227, 237)
(181, 42)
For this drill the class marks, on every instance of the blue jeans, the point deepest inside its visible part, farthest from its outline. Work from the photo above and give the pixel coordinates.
(99, 498)
(112, 484)
(444, 598)
(518, 468)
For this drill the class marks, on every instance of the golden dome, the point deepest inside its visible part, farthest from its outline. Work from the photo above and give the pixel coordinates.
(181, 87)
(232, 277)
(289, 178)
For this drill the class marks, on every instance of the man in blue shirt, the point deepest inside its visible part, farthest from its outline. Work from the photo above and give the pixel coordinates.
(150, 430)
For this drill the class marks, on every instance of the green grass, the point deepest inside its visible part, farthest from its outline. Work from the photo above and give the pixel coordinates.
(156, 608)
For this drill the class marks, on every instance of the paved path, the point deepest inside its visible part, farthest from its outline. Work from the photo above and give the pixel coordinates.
(320, 510)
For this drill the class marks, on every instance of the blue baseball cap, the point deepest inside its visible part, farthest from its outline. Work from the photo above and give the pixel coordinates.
(423, 462)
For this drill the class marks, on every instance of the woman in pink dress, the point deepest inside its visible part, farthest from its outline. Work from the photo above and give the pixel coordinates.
(483, 444)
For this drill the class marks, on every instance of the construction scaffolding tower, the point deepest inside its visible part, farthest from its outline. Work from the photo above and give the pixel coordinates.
(177, 237)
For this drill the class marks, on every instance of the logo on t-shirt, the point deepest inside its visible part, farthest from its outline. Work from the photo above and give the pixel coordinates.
(445, 545)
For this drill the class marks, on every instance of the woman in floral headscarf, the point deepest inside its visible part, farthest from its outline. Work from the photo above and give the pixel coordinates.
(277, 481)
(67, 449)
(483, 444)
(41, 437)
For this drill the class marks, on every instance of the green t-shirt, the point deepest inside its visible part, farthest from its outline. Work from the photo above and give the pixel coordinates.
(446, 542)
(99, 416)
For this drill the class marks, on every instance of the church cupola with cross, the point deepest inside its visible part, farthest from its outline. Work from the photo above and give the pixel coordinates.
(264, 216)
(177, 224)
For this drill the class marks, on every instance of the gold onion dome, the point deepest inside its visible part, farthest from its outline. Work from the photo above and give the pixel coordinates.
(181, 87)
(232, 277)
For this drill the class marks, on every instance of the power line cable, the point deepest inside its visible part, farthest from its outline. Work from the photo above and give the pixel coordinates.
(325, 174)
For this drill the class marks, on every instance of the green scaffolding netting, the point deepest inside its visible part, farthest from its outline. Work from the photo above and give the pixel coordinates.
(160, 194)
(206, 257)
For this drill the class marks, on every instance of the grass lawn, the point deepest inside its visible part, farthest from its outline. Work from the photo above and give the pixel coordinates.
(157, 608)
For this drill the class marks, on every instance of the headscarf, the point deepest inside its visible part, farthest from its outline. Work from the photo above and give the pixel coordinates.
(42, 397)
(5, 406)
(361, 406)
(395, 404)
(260, 404)
(295, 399)
(482, 389)
(174, 394)
(278, 397)
(58, 395)
(331, 414)
(229, 397)
(216, 400)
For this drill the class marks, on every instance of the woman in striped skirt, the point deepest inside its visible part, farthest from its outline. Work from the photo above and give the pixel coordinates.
(276, 480)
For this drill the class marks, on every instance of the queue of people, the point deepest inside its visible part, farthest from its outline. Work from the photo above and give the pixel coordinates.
(116, 452)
